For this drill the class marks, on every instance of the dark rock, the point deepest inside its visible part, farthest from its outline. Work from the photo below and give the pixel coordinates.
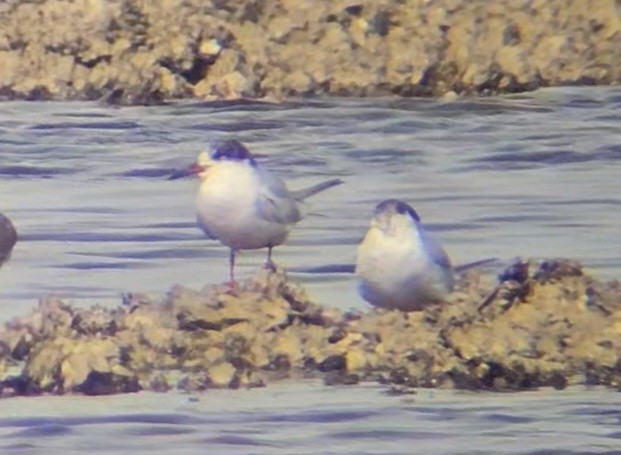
(280, 362)
(401, 376)
(340, 378)
(255, 383)
(381, 23)
(337, 335)
(235, 345)
(21, 349)
(20, 386)
(96, 321)
(142, 96)
(557, 380)
(399, 390)
(555, 269)
(159, 384)
(98, 383)
(332, 363)
(511, 35)
(464, 380)
(354, 10)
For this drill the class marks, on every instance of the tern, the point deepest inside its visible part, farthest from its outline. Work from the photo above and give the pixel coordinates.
(8, 238)
(399, 265)
(241, 204)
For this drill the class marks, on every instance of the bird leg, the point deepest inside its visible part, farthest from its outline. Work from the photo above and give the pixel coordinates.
(270, 265)
(232, 282)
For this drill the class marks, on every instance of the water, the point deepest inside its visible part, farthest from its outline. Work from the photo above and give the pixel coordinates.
(529, 175)
(309, 419)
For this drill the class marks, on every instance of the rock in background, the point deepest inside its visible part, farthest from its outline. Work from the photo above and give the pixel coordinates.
(548, 325)
(141, 52)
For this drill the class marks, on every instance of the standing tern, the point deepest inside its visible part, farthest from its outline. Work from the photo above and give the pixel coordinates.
(241, 204)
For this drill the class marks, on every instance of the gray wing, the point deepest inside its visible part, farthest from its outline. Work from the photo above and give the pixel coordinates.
(205, 229)
(436, 252)
(276, 203)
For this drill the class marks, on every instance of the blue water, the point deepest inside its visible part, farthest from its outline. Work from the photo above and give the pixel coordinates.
(530, 175)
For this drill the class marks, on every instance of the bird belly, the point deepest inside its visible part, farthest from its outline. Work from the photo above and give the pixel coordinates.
(228, 213)
(241, 232)
(396, 277)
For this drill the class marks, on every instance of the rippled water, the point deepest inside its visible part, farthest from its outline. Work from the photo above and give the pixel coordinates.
(309, 419)
(530, 175)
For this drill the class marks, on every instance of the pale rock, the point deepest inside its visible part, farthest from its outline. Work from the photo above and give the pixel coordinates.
(222, 375)
(358, 29)
(355, 359)
(288, 344)
(213, 355)
(43, 364)
(512, 59)
(276, 311)
(74, 370)
(298, 81)
(450, 96)
(210, 47)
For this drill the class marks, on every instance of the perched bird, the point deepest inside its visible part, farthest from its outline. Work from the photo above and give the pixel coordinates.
(241, 204)
(8, 237)
(399, 266)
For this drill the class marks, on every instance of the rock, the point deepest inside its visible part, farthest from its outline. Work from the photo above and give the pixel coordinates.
(43, 366)
(287, 346)
(52, 318)
(131, 52)
(356, 359)
(223, 375)
(332, 363)
(19, 346)
(96, 321)
(544, 324)
(340, 378)
(82, 359)
(108, 383)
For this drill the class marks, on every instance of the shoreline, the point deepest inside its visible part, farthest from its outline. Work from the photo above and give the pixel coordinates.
(128, 52)
(547, 325)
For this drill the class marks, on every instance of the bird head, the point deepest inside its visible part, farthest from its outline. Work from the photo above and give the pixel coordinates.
(225, 151)
(394, 217)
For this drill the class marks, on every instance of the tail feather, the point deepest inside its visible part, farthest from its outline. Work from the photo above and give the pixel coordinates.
(300, 195)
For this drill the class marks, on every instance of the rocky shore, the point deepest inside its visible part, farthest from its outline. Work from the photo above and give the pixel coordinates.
(545, 324)
(143, 52)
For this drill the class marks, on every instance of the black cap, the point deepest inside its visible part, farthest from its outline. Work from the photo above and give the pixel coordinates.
(232, 150)
(398, 206)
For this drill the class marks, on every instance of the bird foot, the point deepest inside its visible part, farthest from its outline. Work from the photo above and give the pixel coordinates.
(271, 266)
(231, 287)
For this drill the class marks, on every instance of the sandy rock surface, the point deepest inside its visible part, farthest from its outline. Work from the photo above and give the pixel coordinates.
(545, 324)
(141, 52)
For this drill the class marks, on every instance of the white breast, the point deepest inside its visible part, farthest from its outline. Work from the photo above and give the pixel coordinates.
(227, 208)
(397, 273)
